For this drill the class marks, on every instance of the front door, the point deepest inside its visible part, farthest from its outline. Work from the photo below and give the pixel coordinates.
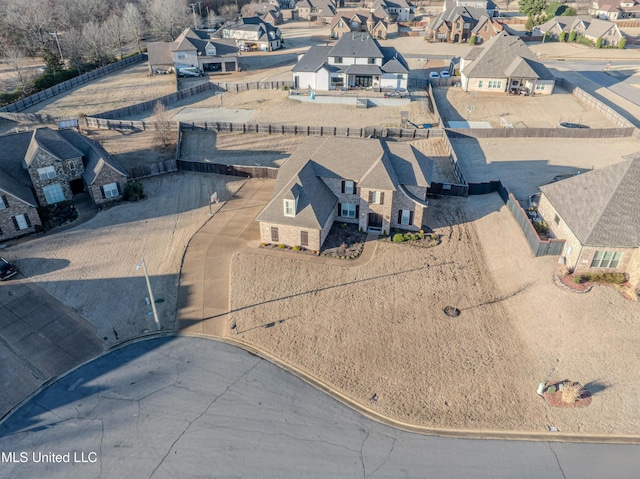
(375, 222)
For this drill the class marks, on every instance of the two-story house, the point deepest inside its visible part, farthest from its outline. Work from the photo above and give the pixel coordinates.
(321, 11)
(371, 183)
(608, 10)
(356, 20)
(254, 33)
(46, 166)
(355, 61)
(396, 10)
(455, 25)
(194, 48)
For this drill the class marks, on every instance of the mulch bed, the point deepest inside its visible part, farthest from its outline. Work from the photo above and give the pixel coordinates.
(345, 241)
(554, 398)
(567, 280)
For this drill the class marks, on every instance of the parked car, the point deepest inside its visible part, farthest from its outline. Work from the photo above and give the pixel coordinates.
(7, 270)
(434, 75)
(189, 72)
(445, 74)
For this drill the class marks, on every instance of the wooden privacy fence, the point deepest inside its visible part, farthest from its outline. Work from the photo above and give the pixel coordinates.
(152, 169)
(71, 83)
(232, 170)
(189, 92)
(540, 132)
(453, 157)
(597, 105)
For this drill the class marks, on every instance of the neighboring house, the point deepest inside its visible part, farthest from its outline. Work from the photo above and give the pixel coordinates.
(371, 183)
(347, 21)
(591, 28)
(455, 25)
(268, 12)
(396, 10)
(486, 28)
(607, 10)
(254, 33)
(321, 11)
(596, 213)
(486, 5)
(193, 48)
(504, 64)
(46, 166)
(355, 61)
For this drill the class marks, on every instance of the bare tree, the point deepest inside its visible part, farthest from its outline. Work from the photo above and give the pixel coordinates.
(163, 125)
(27, 25)
(167, 17)
(248, 10)
(114, 34)
(23, 74)
(95, 50)
(228, 12)
(73, 13)
(134, 24)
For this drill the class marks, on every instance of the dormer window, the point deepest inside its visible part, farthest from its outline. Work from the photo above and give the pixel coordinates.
(290, 208)
(211, 50)
(372, 61)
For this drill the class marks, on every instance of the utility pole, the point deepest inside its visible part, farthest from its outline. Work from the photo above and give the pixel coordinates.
(193, 9)
(55, 35)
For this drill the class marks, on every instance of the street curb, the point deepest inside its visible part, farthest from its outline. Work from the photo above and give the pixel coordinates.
(416, 428)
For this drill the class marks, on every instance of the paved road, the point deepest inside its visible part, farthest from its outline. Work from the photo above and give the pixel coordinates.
(189, 407)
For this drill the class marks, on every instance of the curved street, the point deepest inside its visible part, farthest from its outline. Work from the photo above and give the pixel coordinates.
(190, 407)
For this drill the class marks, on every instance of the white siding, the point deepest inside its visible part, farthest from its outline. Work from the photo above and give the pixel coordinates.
(390, 80)
(307, 80)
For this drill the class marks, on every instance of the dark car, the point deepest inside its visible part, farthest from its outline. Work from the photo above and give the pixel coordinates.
(7, 269)
(567, 124)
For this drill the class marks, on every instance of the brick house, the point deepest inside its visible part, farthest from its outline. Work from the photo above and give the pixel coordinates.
(455, 25)
(504, 64)
(355, 20)
(592, 28)
(596, 213)
(46, 166)
(371, 183)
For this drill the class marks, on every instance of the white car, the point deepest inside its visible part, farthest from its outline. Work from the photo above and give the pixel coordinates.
(434, 75)
(445, 74)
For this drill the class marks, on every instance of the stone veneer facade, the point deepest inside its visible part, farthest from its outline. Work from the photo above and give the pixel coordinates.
(107, 175)
(14, 208)
(66, 171)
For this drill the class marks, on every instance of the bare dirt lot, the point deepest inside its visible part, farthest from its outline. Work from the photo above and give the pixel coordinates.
(125, 87)
(273, 106)
(540, 111)
(380, 328)
(101, 282)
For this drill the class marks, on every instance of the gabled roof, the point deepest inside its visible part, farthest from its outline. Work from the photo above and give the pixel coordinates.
(601, 207)
(370, 163)
(256, 24)
(464, 14)
(392, 61)
(497, 58)
(97, 156)
(486, 20)
(313, 60)
(50, 141)
(594, 27)
(358, 45)
(159, 53)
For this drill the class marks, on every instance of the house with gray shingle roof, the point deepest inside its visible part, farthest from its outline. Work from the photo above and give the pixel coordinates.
(591, 28)
(46, 166)
(193, 48)
(455, 25)
(505, 63)
(371, 183)
(254, 33)
(597, 214)
(355, 61)
(358, 20)
(611, 10)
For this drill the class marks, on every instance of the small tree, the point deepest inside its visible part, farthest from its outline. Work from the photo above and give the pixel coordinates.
(622, 43)
(133, 190)
(599, 43)
(472, 40)
(572, 36)
(528, 26)
(163, 125)
(561, 37)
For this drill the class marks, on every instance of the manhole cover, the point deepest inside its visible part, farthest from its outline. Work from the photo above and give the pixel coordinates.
(451, 311)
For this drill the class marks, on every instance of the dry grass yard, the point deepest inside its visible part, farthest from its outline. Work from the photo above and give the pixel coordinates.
(125, 87)
(380, 328)
(544, 111)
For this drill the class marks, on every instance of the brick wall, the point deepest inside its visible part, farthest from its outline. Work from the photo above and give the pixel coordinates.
(107, 175)
(16, 207)
(290, 235)
(561, 230)
(403, 202)
(633, 268)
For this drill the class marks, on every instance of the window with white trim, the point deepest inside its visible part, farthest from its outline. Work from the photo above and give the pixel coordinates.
(337, 60)
(375, 197)
(47, 172)
(21, 222)
(111, 190)
(406, 217)
(181, 56)
(53, 193)
(372, 61)
(289, 207)
(495, 84)
(540, 86)
(606, 259)
(349, 187)
(348, 210)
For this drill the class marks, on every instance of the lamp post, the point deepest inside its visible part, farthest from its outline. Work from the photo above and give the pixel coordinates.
(55, 35)
(153, 303)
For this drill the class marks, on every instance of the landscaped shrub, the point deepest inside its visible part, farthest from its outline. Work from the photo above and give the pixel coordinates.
(133, 190)
(599, 43)
(472, 40)
(541, 227)
(622, 43)
(296, 248)
(610, 278)
(561, 37)
(281, 246)
(572, 36)
(398, 238)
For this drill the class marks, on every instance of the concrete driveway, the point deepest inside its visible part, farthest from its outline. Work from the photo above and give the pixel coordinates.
(40, 338)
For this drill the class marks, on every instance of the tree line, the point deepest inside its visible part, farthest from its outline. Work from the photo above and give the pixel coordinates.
(73, 36)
